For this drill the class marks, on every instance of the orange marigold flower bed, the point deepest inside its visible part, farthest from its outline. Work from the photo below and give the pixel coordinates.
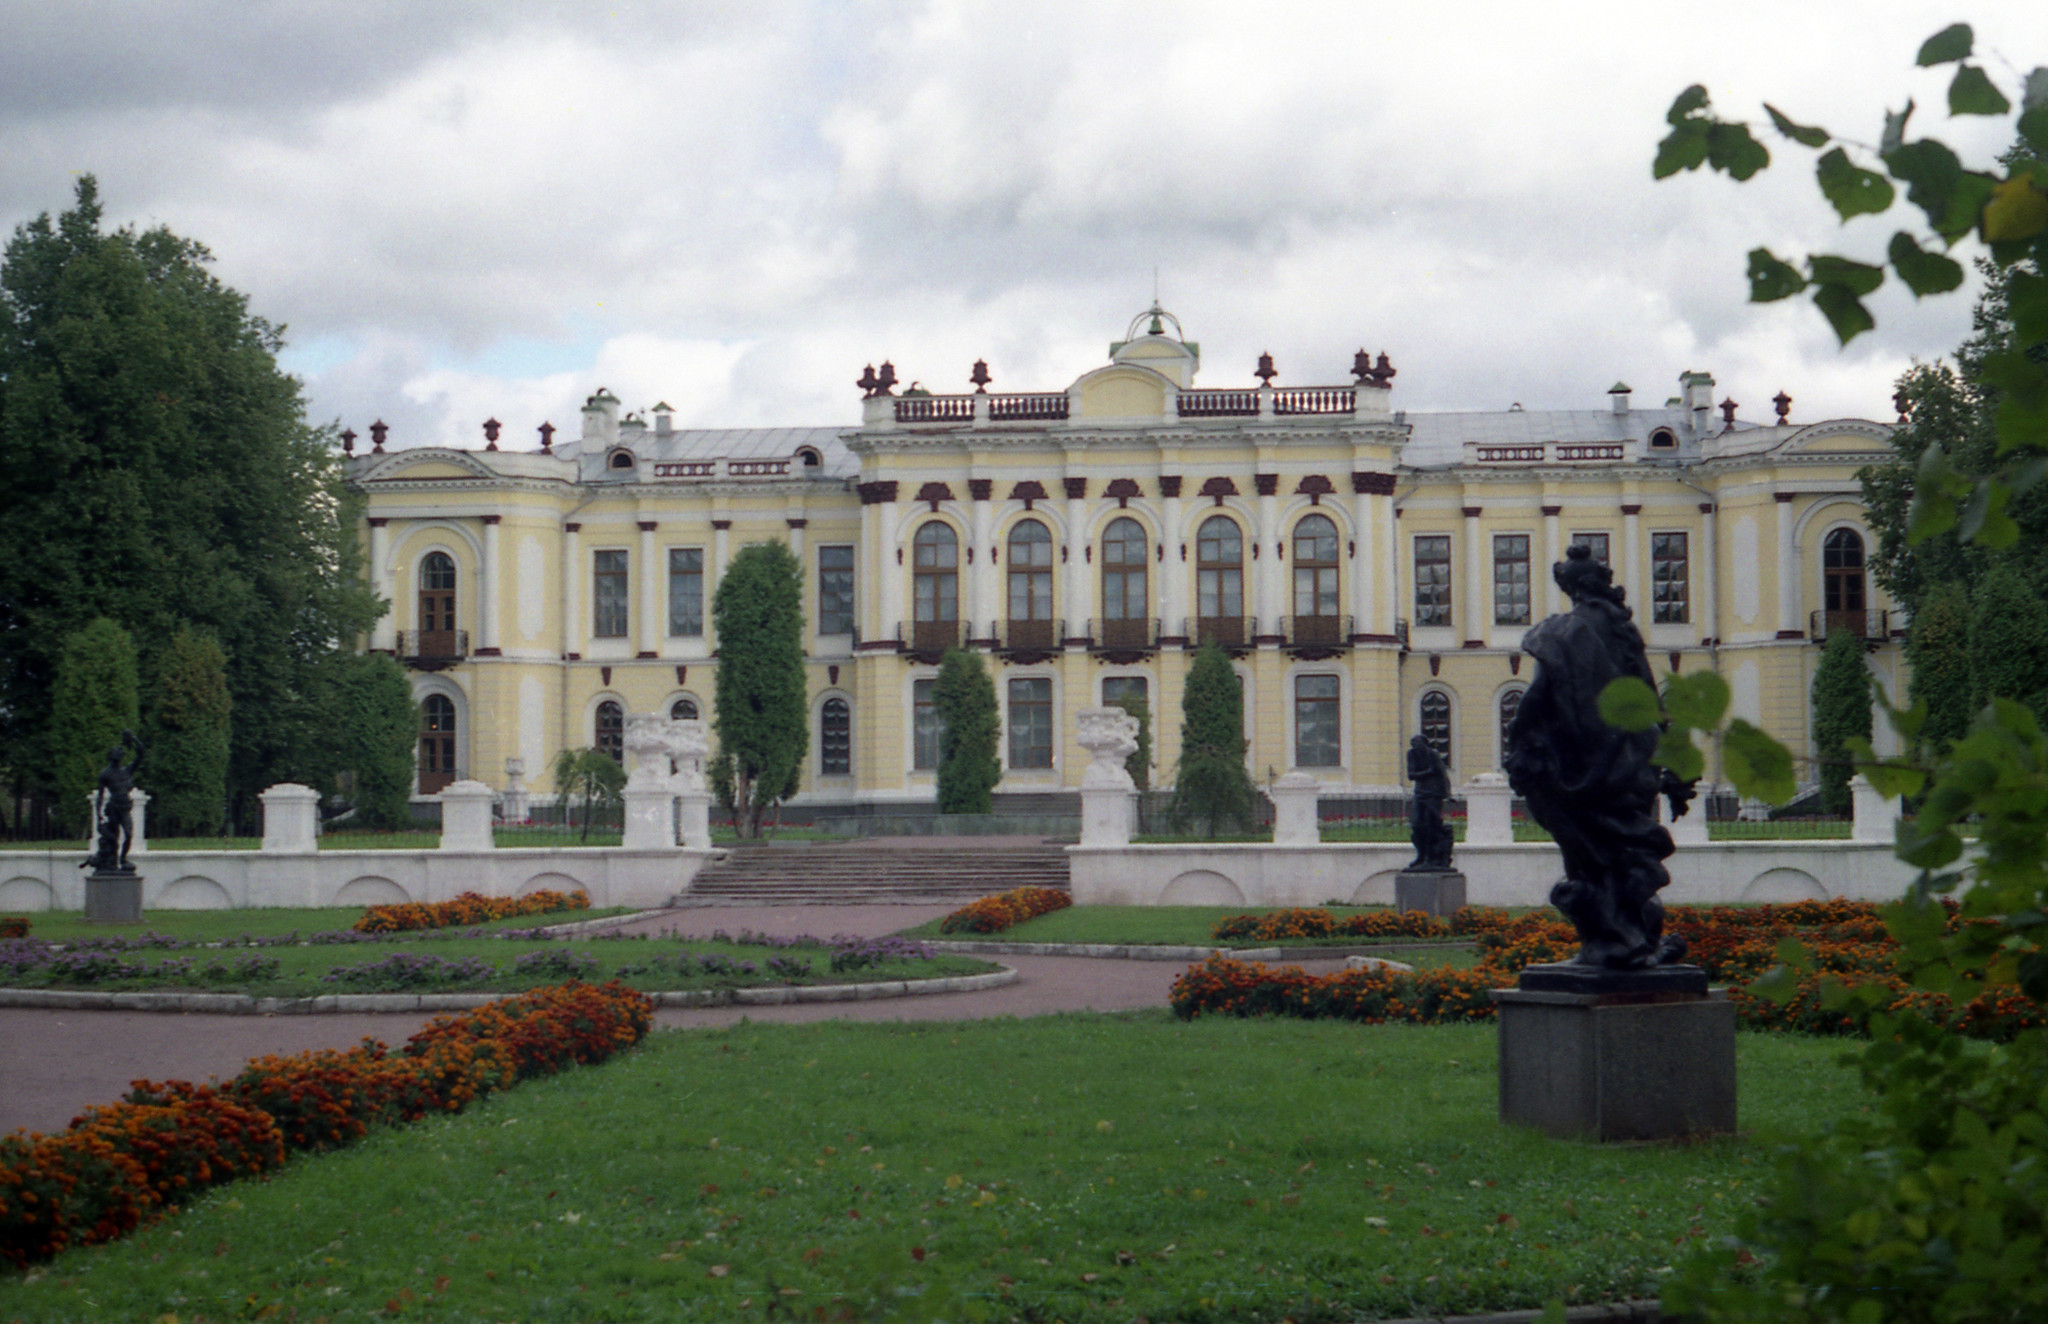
(993, 914)
(1315, 922)
(469, 908)
(122, 1165)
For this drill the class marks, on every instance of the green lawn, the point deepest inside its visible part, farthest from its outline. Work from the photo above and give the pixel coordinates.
(260, 922)
(505, 839)
(1078, 1168)
(1165, 926)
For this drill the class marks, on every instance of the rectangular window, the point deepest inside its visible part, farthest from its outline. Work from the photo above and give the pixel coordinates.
(835, 590)
(1670, 580)
(1031, 722)
(1116, 689)
(924, 727)
(1318, 723)
(1510, 579)
(1433, 579)
(1597, 544)
(609, 595)
(686, 591)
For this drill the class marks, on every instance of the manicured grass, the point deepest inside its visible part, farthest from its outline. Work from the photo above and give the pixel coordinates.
(260, 922)
(1078, 1168)
(1165, 926)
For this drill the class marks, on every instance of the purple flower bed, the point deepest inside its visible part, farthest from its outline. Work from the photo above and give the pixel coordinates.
(851, 953)
(405, 970)
(556, 963)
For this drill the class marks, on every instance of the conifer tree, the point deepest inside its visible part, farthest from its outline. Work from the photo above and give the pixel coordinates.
(378, 726)
(188, 747)
(969, 728)
(93, 700)
(762, 695)
(1212, 787)
(2009, 641)
(1938, 652)
(1841, 710)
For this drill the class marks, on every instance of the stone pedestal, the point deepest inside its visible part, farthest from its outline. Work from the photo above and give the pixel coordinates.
(1640, 1060)
(1689, 828)
(1109, 798)
(1106, 814)
(1489, 812)
(1294, 810)
(514, 804)
(466, 816)
(650, 818)
(1438, 892)
(1876, 815)
(113, 898)
(693, 818)
(291, 818)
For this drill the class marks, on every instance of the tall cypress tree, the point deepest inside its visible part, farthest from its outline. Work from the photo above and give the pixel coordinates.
(1841, 710)
(969, 728)
(188, 748)
(379, 726)
(762, 696)
(93, 701)
(2009, 641)
(1212, 787)
(1938, 651)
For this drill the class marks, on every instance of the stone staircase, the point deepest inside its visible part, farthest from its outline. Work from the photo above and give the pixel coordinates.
(875, 872)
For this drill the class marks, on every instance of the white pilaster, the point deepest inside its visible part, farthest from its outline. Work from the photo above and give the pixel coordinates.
(1553, 552)
(1706, 574)
(1476, 596)
(721, 547)
(1270, 601)
(1363, 571)
(1390, 564)
(981, 573)
(1173, 572)
(653, 620)
(1632, 562)
(1788, 571)
(888, 545)
(572, 585)
(1078, 567)
(488, 586)
(383, 579)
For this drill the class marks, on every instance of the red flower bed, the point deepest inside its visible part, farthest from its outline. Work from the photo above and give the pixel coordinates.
(14, 926)
(1318, 923)
(122, 1165)
(993, 914)
(469, 908)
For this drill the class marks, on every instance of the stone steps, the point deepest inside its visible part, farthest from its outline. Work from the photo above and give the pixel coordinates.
(857, 874)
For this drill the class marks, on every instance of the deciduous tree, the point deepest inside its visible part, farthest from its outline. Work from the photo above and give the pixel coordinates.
(761, 717)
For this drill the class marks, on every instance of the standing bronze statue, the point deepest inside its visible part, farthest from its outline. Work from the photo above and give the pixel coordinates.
(1427, 830)
(1591, 785)
(114, 810)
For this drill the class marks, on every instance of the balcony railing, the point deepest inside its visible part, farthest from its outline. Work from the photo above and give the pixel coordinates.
(1316, 632)
(935, 409)
(1872, 625)
(1315, 400)
(1219, 404)
(929, 639)
(1131, 635)
(1027, 406)
(432, 650)
(1010, 407)
(1223, 631)
(1029, 636)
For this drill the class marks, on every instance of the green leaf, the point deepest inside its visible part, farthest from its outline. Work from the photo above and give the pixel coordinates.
(1853, 190)
(1951, 43)
(2022, 386)
(1793, 954)
(1777, 984)
(1938, 185)
(1855, 277)
(2033, 127)
(1972, 94)
(1696, 699)
(1684, 148)
(1894, 130)
(2016, 211)
(1937, 977)
(1924, 272)
(1732, 148)
(1771, 279)
(1931, 514)
(1676, 752)
(1984, 519)
(2026, 303)
(1844, 311)
(1687, 105)
(1758, 765)
(1906, 721)
(1629, 704)
(1927, 848)
(1799, 133)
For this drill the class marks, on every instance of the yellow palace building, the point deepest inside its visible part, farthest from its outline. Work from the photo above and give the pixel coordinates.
(1370, 570)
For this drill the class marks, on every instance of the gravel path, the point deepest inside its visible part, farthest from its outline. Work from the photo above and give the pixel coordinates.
(55, 1063)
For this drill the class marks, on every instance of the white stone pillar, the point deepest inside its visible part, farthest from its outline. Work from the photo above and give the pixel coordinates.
(1706, 573)
(384, 634)
(694, 815)
(1390, 564)
(650, 818)
(488, 586)
(1364, 572)
(290, 814)
(466, 816)
(1475, 579)
(888, 548)
(514, 805)
(982, 578)
(573, 632)
(1294, 810)
(1270, 602)
(1788, 572)
(1876, 816)
(1553, 552)
(1632, 562)
(1079, 565)
(653, 620)
(1489, 811)
(721, 550)
(139, 798)
(1173, 572)
(1689, 828)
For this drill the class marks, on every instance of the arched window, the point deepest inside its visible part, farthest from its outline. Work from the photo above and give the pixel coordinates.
(622, 460)
(936, 572)
(1510, 704)
(683, 710)
(835, 738)
(437, 593)
(1436, 722)
(1125, 618)
(611, 730)
(1316, 619)
(437, 743)
(1219, 583)
(1030, 597)
(1842, 581)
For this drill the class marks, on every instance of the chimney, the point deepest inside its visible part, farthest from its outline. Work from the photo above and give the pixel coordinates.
(601, 419)
(1698, 390)
(1617, 395)
(663, 419)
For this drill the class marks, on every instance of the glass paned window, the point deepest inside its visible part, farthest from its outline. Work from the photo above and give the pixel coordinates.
(1436, 722)
(1117, 689)
(1842, 571)
(1433, 579)
(924, 727)
(1315, 567)
(1124, 548)
(437, 592)
(1318, 725)
(437, 743)
(1510, 704)
(1510, 579)
(1596, 543)
(835, 590)
(1670, 579)
(683, 710)
(608, 599)
(611, 730)
(835, 738)
(937, 558)
(686, 590)
(1031, 722)
(1030, 566)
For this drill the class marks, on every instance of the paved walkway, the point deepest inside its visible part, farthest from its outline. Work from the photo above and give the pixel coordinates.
(55, 1063)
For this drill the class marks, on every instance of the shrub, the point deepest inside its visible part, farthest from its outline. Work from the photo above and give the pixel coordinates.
(992, 914)
(469, 908)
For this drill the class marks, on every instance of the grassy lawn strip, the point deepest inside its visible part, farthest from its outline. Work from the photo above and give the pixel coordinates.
(452, 961)
(1162, 926)
(1082, 1168)
(262, 922)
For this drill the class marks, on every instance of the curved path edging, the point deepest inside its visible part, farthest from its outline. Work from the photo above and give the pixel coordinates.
(242, 1004)
(1141, 952)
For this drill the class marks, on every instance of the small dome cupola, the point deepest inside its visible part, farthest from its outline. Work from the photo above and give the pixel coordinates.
(1155, 340)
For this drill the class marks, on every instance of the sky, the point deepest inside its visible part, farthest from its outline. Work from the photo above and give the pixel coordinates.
(468, 210)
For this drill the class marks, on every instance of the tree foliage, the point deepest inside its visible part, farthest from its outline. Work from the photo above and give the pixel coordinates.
(1212, 787)
(94, 701)
(2008, 641)
(1841, 713)
(377, 726)
(1938, 662)
(589, 777)
(190, 713)
(970, 727)
(762, 696)
(156, 469)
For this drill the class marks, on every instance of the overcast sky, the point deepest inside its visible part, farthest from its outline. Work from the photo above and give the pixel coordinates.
(464, 210)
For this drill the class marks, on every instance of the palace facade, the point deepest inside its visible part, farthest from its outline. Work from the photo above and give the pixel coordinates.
(1370, 570)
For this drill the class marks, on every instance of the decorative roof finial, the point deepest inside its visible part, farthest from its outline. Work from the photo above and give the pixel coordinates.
(867, 381)
(1900, 401)
(980, 377)
(1361, 366)
(1728, 407)
(491, 426)
(348, 441)
(1784, 404)
(886, 378)
(1266, 371)
(547, 439)
(377, 431)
